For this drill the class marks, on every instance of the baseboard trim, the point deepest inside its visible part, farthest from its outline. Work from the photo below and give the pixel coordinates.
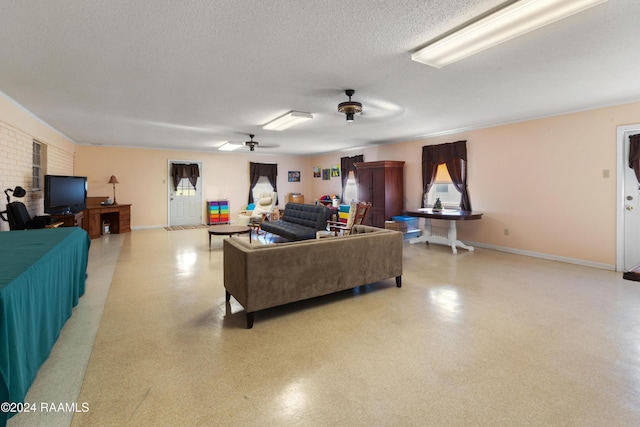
(541, 255)
(577, 261)
(147, 227)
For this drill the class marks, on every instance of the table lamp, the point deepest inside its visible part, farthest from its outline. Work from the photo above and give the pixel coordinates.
(113, 180)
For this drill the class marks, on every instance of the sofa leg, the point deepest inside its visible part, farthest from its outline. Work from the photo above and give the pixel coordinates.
(399, 281)
(250, 320)
(227, 296)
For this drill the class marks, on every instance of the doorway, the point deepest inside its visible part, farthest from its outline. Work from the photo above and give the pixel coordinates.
(185, 201)
(628, 204)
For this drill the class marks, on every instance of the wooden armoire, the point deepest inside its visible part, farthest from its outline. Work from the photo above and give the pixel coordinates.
(382, 184)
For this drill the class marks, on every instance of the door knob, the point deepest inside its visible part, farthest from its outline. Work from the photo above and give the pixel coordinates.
(629, 207)
(629, 197)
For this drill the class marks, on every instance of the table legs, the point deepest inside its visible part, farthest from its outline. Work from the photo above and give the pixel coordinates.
(451, 238)
(229, 234)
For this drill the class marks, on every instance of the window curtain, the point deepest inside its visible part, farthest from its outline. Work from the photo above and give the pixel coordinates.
(454, 156)
(634, 154)
(182, 170)
(346, 165)
(256, 170)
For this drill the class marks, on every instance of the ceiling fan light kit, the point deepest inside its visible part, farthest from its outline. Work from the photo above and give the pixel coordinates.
(350, 108)
(251, 144)
(505, 24)
(288, 120)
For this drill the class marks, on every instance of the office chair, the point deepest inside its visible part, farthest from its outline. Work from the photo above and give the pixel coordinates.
(16, 213)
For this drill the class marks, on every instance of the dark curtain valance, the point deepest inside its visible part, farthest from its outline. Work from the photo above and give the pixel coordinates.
(182, 170)
(346, 166)
(454, 156)
(256, 170)
(634, 154)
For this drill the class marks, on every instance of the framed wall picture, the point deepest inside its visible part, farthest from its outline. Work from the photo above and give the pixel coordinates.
(317, 172)
(326, 174)
(335, 170)
(294, 176)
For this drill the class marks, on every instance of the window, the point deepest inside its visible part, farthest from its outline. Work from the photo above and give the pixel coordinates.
(444, 190)
(37, 166)
(262, 186)
(350, 189)
(349, 186)
(185, 188)
(262, 178)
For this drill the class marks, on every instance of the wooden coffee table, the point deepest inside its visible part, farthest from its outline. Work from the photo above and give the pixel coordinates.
(228, 230)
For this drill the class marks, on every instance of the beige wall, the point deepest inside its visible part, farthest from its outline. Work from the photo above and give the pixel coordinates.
(143, 176)
(331, 186)
(541, 179)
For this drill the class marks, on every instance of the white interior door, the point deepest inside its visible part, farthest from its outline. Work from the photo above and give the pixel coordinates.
(185, 202)
(630, 207)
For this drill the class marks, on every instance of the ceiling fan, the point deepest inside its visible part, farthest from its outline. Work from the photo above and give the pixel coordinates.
(253, 144)
(375, 107)
(350, 108)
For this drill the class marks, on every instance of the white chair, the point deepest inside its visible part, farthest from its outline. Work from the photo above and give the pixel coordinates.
(260, 212)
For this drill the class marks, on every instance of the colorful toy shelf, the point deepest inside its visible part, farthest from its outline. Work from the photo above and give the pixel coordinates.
(218, 211)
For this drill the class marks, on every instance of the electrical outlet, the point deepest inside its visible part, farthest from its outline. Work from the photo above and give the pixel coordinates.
(506, 231)
(605, 173)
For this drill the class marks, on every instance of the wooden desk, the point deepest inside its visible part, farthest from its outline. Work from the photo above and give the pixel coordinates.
(295, 198)
(119, 217)
(69, 220)
(451, 237)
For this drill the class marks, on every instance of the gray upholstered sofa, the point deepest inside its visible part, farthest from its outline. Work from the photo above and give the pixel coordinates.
(264, 276)
(299, 221)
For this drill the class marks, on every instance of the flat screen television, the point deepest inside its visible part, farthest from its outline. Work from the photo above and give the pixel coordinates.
(65, 194)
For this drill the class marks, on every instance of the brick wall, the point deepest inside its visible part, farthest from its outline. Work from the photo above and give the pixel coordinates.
(16, 149)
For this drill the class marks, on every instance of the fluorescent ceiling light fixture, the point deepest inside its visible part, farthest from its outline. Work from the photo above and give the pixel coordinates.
(230, 146)
(505, 24)
(283, 122)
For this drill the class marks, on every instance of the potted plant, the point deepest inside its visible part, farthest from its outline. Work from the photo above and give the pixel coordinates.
(437, 206)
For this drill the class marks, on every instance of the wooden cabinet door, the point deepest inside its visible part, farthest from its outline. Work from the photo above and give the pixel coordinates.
(125, 220)
(394, 193)
(371, 189)
(364, 185)
(377, 212)
(381, 184)
(94, 223)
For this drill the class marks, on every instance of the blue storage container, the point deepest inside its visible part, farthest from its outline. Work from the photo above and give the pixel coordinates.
(412, 222)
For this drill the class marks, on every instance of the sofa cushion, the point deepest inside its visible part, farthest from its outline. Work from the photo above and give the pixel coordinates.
(289, 230)
(299, 221)
(314, 216)
(360, 229)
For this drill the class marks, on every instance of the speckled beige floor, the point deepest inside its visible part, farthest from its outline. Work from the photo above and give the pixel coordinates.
(482, 338)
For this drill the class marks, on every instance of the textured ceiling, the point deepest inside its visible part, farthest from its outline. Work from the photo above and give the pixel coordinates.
(191, 74)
